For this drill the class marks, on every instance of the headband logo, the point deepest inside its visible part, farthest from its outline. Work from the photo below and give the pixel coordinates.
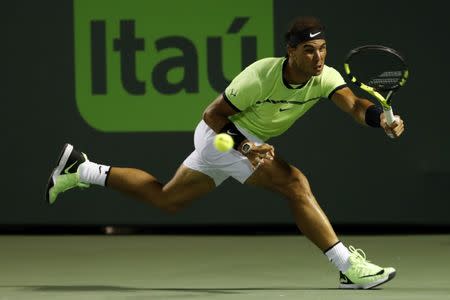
(311, 35)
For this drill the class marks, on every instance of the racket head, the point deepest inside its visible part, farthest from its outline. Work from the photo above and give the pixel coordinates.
(376, 69)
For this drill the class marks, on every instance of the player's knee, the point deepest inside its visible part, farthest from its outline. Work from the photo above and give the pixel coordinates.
(297, 187)
(163, 203)
(170, 206)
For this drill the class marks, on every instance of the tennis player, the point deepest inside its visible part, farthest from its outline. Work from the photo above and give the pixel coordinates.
(263, 101)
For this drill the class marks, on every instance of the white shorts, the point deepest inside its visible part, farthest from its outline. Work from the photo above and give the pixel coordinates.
(218, 165)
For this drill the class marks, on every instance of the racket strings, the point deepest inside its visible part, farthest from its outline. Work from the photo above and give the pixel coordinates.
(381, 72)
(377, 69)
(386, 80)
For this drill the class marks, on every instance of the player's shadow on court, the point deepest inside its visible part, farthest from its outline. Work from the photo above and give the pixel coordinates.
(110, 288)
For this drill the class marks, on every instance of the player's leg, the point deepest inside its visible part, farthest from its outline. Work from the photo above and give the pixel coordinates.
(355, 271)
(185, 186)
(75, 170)
(282, 178)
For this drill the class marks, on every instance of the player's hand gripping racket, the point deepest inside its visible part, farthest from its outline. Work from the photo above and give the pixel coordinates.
(378, 70)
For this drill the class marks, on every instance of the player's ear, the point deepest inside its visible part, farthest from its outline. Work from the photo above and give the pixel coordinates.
(290, 50)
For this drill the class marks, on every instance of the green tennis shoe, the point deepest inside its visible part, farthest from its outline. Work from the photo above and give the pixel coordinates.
(65, 176)
(363, 274)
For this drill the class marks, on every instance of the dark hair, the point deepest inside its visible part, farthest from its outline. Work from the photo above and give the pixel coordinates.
(299, 27)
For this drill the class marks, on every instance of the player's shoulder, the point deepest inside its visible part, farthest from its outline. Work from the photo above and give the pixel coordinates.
(266, 65)
(328, 70)
(329, 73)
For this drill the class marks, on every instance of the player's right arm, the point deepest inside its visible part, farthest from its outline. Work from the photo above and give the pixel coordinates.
(217, 113)
(216, 116)
(241, 93)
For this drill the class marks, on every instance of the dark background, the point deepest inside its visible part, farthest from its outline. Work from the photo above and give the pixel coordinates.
(357, 174)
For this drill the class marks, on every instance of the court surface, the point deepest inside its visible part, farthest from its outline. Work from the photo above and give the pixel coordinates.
(212, 267)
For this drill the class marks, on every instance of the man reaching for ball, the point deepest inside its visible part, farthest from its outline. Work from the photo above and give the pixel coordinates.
(263, 101)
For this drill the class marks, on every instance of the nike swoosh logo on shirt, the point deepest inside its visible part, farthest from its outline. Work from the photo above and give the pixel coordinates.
(314, 34)
(287, 108)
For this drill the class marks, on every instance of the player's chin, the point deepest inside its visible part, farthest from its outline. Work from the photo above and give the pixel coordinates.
(317, 70)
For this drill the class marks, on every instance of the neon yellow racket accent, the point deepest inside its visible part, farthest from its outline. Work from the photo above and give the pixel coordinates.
(373, 92)
(378, 69)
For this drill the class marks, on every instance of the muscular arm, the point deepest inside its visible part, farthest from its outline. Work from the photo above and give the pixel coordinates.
(349, 103)
(217, 113)
(216, 116)
(357, 107)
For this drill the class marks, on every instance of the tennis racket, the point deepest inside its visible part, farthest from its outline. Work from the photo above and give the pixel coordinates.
(378, 70)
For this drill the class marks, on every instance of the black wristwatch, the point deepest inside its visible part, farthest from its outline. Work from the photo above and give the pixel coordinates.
(246, 148)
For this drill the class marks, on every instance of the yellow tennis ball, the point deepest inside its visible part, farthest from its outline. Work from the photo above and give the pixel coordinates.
(223, 142)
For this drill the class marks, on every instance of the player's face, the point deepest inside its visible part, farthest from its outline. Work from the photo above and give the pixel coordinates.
(309, 57)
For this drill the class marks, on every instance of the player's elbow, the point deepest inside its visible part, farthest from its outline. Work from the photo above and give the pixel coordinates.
(214, 118)
(208, 115)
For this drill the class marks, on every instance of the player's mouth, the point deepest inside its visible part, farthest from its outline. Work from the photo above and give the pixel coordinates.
(318, 68)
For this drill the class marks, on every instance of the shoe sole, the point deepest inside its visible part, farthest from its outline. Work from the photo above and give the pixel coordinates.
(60, 163)
(370, 286)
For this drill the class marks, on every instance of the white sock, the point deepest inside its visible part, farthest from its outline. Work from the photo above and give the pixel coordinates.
(339, 256)
(93, 173)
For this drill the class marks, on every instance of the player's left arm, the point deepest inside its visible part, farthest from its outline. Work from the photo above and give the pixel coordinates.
(364, 112)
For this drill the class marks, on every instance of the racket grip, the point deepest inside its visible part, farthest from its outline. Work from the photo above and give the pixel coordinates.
(389, 114)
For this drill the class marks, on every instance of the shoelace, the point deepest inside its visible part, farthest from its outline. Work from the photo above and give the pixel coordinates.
(362, 265)
(358, 254)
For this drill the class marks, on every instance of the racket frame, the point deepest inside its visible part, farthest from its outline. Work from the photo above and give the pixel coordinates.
(383, 100)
